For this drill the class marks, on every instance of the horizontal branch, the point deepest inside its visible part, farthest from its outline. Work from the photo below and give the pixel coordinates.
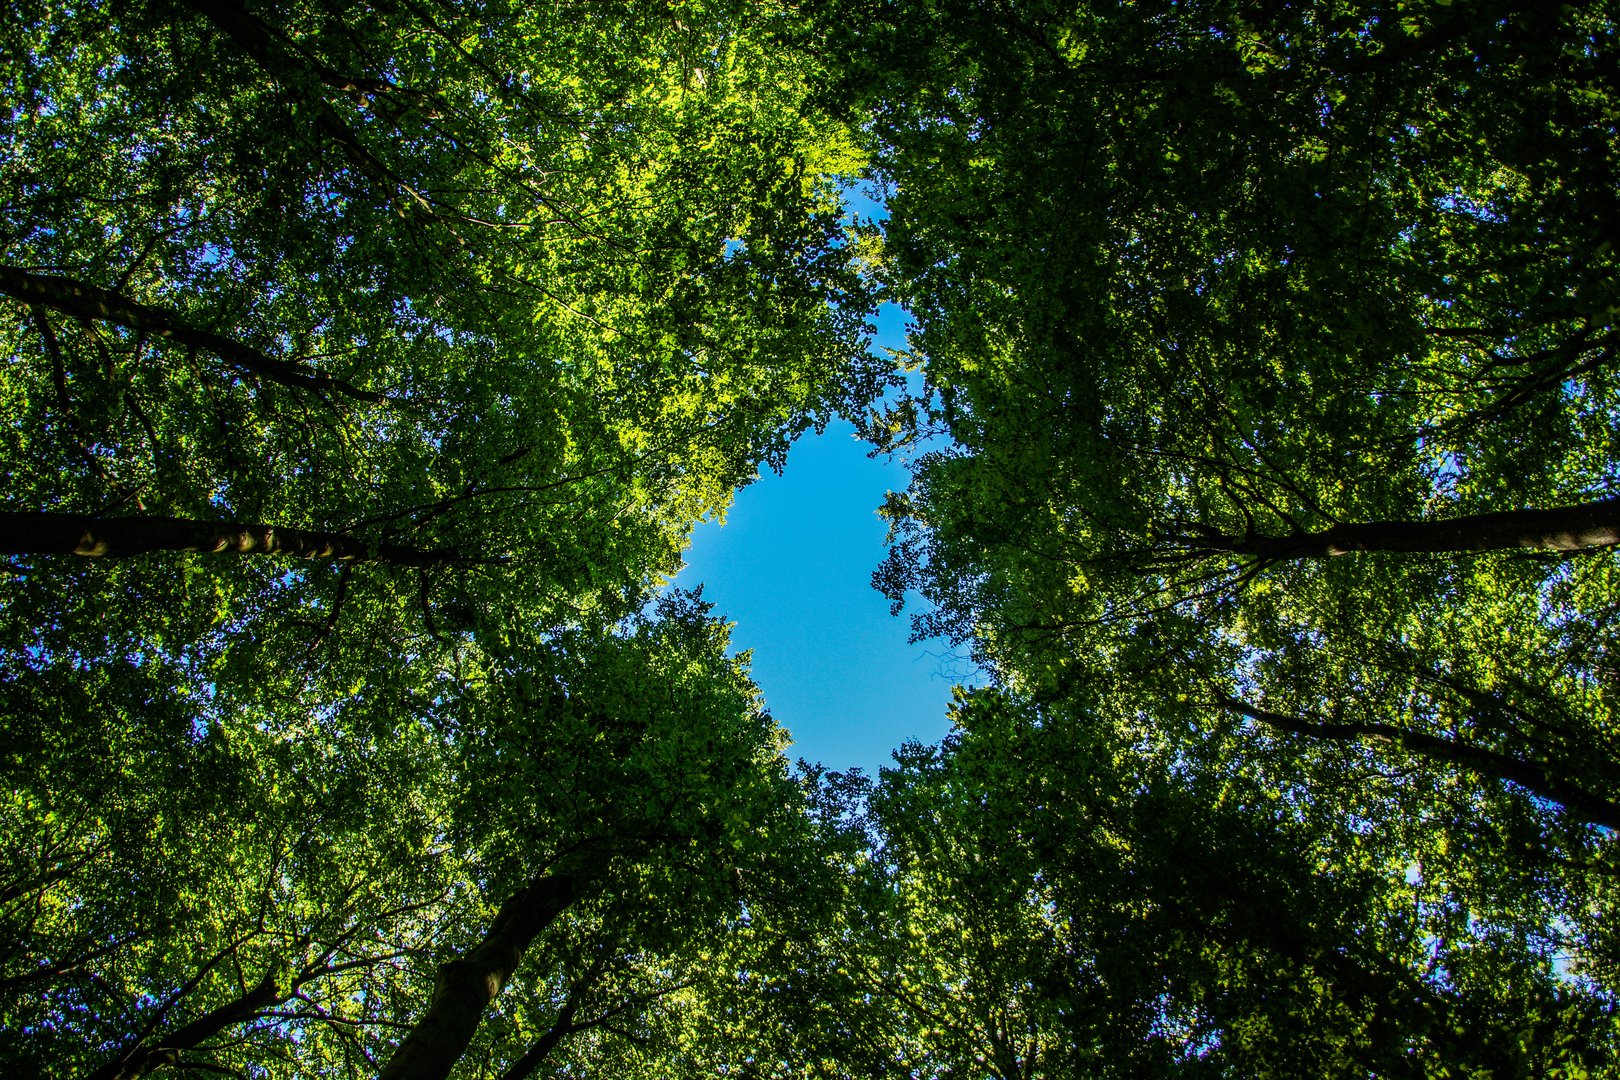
(114, 537)
(91, 302)
(1576, 528)
(1526, 774)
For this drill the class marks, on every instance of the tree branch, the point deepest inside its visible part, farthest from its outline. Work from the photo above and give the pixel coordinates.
(1526, 774)
(467, 985)
(140, 1060)
(117, 537)
(85, 301)
(1577, 528)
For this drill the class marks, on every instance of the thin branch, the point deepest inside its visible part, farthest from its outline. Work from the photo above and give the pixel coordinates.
(91, 302)
(1529, 775)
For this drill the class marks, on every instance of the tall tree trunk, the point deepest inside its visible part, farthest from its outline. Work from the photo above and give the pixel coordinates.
(82, 300)
(468, 984)
(81, 534)
(167, 1050)
(1532, 777)
(268, 49)
(524, 1067)
(1561, 528)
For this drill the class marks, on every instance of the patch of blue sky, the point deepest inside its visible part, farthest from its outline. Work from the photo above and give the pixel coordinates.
(1459, 202)
(862, 202)
(791, 569)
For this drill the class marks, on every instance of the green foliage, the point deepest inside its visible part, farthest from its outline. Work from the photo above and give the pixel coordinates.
(1199, 288)
(1254, 333)
(342, 859)
(523, 235)
(534, 289)
(1054, 900)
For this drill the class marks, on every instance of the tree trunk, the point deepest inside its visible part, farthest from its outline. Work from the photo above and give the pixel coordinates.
(524, 1067)
(1561, 528)
(294, 74)
(254, 37)
(467, 985)
(1527, 774)
(85, 301)
(140, 1060)
(82, 534)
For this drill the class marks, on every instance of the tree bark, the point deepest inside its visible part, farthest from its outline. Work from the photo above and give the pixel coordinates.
(293, 73)
(140, 1060)
(467, 985)
(524, 1067)
(1532, 777)
(85, 301)
(265, 46)
(1561, 528)
(82, 534)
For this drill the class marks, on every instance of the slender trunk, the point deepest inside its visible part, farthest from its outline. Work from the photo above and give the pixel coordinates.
(81, 534)
(1561, 528)
(468, 984)
(140, 1060)
(524, 1067)
(294, 73)
(265, 46)
(85, 301)
(1532, 777)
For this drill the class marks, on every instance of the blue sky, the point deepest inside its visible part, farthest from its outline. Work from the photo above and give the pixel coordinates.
(792, 569)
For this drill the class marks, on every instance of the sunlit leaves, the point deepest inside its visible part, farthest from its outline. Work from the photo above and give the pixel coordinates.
(580, 264)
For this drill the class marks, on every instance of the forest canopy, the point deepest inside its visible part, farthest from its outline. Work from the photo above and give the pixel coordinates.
(368, 367)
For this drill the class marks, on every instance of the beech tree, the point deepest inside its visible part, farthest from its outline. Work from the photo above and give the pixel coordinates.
(1266, 364)
(1275, 354)
(1261, 417)
(473, 312)
(1061, 901)
(1200, 291)
(593, 814)
(416, 282)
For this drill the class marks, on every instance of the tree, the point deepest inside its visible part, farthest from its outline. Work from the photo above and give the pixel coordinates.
(1059, 901)
(1274, 348)
(479, 309)
(191, 884)
(592, 814)
(1297, 753)
(1299, 286)
(475, 281)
